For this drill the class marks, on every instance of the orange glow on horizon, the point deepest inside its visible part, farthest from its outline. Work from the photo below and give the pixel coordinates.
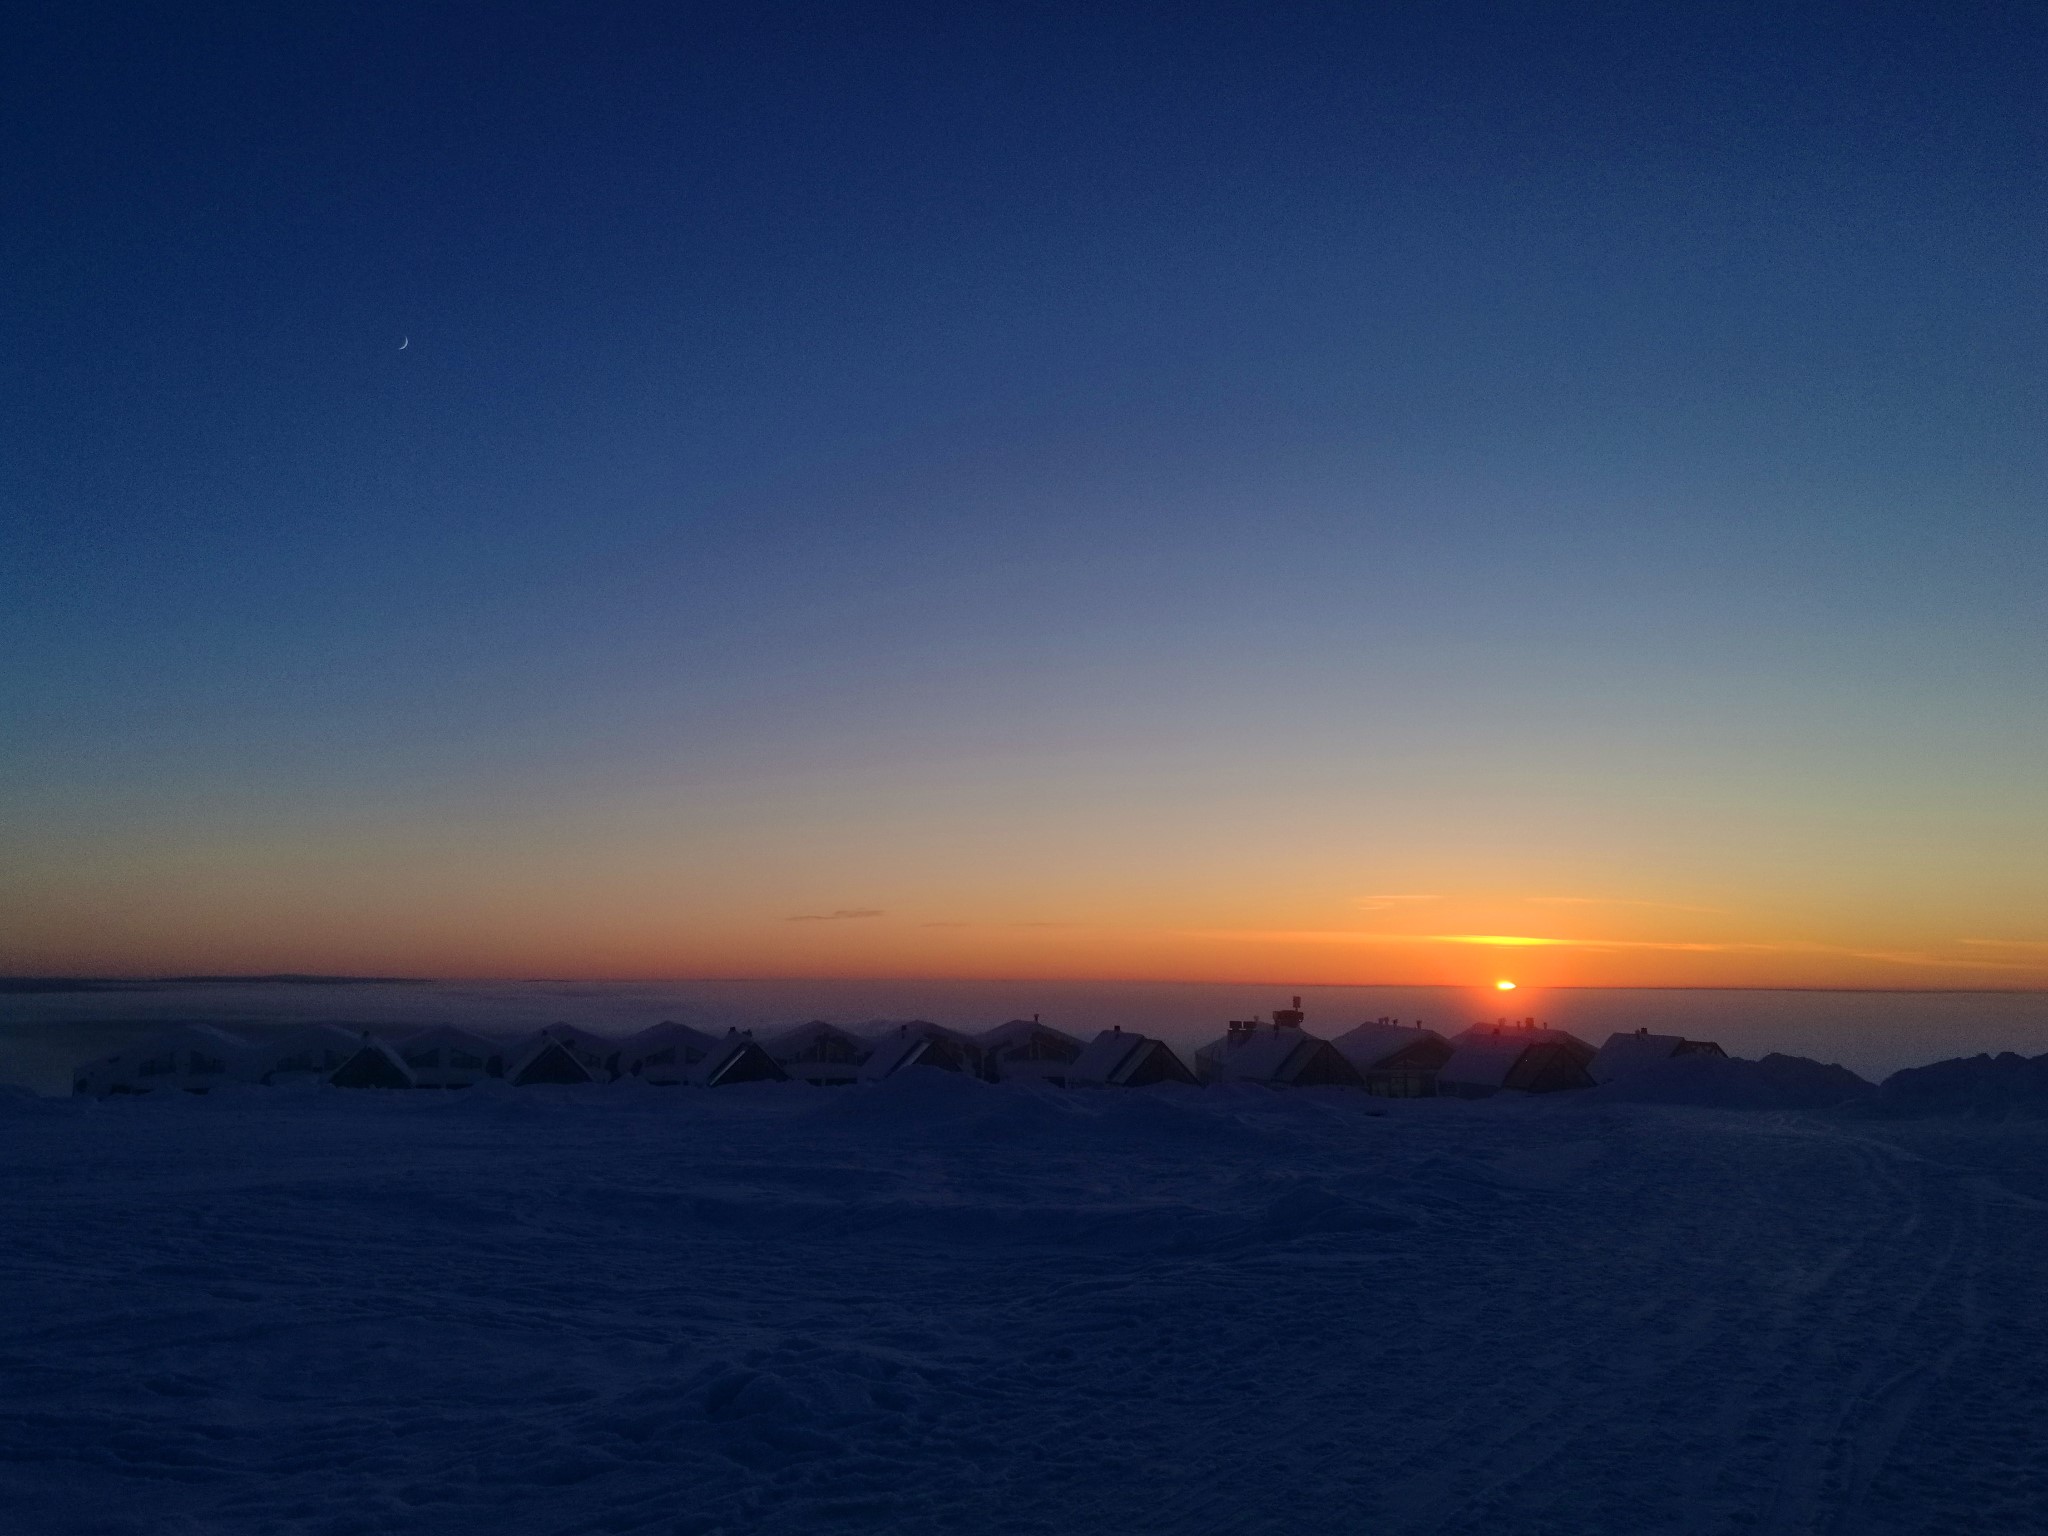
(580, 907)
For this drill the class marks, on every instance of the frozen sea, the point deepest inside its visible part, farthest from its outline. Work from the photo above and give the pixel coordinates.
(936, 1305)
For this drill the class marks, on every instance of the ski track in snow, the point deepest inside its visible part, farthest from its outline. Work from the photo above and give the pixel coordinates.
(936, 1306)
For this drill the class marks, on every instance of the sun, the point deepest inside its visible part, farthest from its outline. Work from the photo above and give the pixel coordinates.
(1504, 986)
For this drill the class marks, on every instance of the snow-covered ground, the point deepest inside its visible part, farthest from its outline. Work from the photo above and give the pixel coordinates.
(934, 1305)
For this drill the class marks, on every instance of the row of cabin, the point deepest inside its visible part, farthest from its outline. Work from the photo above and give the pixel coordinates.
(199, 1058)
(1384, 1057)
(1396, 1060)
(1022, 1050)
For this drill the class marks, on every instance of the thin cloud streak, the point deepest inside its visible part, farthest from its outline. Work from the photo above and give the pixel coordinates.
(1618, 901)
(840, 916)
(1531, 941)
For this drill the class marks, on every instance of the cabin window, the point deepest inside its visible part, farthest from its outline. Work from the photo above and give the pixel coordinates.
(157, 1066)
(665, 1058)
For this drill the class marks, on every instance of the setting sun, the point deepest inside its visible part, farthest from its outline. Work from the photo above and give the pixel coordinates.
(1504, 986)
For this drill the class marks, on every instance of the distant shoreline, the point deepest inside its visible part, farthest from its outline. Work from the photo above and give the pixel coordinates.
(50, 984)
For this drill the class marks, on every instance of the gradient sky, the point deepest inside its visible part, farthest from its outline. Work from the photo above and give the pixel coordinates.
(1298, 492)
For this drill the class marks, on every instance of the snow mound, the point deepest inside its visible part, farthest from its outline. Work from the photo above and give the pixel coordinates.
(1984, 1087)
(1730, 1082)
(928, 1100)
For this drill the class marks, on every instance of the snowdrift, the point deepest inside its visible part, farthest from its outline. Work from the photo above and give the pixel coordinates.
(2000, 1087)
(933, 1305)
(1729, 1082)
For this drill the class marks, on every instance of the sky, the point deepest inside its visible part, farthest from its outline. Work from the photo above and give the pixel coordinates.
(1407, 494)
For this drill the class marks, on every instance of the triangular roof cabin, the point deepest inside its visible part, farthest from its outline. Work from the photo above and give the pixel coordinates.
(1631, 1052)
(1026, 1050)
(738, 1058)
(1527, 1030)
(542, 1059)
(194, 1057)
(1518, 1058)
(596, 1057)
(664, 1054)
(820, 1053)
(1395, 1061)
(447, 1057)
(373, 1065)
(1120, 1058)
(1281, 1054)
(921, 1043)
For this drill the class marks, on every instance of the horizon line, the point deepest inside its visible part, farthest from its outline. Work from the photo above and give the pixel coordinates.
(301, 978)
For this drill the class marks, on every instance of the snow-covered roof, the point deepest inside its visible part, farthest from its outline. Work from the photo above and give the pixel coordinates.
(578, 1038)
(1114, 1057)
(450, 1034)
(293, 1037)
(542, 1058)
(1630, 1052)
(302, 1050)
(929, 1045)
(1019, 1032)
(1026, 1050)
(1273, 1053)
(187, 1056)
(191, 1037)
(1484, 1061)
(445, 1056)
(1528, 1034)
(1108, 1053)
(373, 1064)
(660, 1037)
(597, 1054)
(790, 1044)
(1370, 1044)
(738, 1058)
(886, 1029)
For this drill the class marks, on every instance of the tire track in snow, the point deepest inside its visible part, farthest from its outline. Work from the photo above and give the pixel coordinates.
(243, 1321)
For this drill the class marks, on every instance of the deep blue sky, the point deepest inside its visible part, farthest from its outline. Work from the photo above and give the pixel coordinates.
(877, 457)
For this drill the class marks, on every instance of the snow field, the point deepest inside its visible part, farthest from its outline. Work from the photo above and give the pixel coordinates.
(932, 1305)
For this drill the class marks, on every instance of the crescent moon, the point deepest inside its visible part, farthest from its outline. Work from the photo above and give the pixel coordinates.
(405, 343)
